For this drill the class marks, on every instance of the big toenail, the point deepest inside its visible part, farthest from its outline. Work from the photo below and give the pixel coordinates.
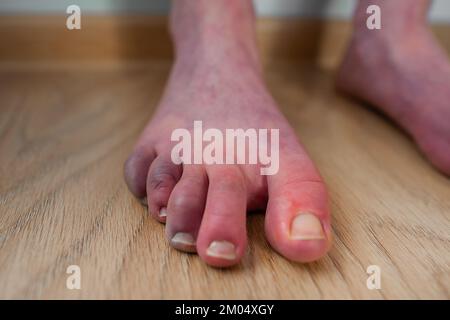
(222, 249)
(143, 201)
(183, 241)
(306, 226)
(162, 212)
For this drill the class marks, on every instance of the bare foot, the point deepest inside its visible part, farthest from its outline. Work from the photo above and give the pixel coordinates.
(205, 206)
(407, 76)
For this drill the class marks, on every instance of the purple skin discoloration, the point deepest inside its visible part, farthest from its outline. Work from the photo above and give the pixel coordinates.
(401, 70)
(217, 78)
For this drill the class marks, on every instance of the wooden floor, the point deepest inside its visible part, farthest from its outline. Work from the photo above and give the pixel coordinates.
(65, 133)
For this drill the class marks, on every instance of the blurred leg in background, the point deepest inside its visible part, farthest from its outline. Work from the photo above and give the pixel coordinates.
(402, 70)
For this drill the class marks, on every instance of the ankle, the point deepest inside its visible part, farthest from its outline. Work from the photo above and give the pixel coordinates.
(219, 30)
(398, 12)
(400, 20)
(217, 60)
(371, 42)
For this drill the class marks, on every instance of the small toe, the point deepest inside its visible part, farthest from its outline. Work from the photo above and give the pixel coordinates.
(437, 150)
(162, 178)
(136, 169)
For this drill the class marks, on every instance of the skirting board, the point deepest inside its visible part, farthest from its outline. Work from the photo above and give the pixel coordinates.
(124, 39)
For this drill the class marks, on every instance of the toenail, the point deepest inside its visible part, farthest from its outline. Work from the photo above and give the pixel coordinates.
(306, 226)
(183, 241)
(222, 249)
(143, 201)
(162, 212)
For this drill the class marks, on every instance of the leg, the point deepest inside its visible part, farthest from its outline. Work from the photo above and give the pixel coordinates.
(402, 70)
(217, 78)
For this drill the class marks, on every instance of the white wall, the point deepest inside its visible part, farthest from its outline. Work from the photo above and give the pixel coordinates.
(316, 8)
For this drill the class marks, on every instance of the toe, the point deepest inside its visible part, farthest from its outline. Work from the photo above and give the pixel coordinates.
(298, 220)
(161, 179)
(437, 150)
(222, 238)
(136, 169)
(185, 208)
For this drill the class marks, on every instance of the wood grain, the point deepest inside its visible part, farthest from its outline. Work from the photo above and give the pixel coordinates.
(65, 133)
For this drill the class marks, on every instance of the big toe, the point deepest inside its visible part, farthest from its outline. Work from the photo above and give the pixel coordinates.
(298, 218)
